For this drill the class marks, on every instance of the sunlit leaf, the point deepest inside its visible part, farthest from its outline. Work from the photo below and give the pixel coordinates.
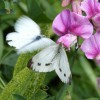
(89, 72)
(40, 95)
(18, 97)
(27, 81)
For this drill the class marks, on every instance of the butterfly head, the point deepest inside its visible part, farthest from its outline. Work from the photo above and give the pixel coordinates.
(38, 37)
(29, 65)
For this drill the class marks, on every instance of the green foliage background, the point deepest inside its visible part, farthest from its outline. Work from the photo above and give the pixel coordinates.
(17, 82)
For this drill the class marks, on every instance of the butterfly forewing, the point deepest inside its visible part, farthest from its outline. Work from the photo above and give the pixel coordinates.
(26, 25)
(27, 37)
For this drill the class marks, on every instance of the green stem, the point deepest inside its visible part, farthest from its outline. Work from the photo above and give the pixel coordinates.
(5, 56)
(75, 53)
(2, 82)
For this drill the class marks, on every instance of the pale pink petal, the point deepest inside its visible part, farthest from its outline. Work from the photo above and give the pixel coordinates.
(98, 82)
(96, 21)
(61, 23)
(90, 7)
(98, 6)
(97, 59)
(81, 26)
(65, 3)
(76, 6)
(67, 40)
(91, 46)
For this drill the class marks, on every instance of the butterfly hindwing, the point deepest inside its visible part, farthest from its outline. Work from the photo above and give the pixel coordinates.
(52, 58)
(42, 62)
(62, 66)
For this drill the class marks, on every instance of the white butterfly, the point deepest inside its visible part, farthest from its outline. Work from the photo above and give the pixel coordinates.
(52, 58)
(27, 36)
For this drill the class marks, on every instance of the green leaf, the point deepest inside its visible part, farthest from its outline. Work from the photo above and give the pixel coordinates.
(93, 99)
(33, 9)
(89, 72)
(1, 43)
(10, 60)
(47, 9)
(17, 97)
(62, 94)
(51, 98)
(40, 95)
(25, 81)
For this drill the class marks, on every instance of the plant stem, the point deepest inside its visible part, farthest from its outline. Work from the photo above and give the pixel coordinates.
(2, 82)
(74, 55)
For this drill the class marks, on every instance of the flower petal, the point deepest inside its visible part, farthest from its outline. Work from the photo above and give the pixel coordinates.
(91, 46)
(96, 21)
(90, 7)
(76, 6)
(68, 40)
(65, 3)
(81, 26)
(61, 23)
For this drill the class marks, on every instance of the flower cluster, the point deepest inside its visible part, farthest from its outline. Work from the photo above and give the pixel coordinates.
(71, 24)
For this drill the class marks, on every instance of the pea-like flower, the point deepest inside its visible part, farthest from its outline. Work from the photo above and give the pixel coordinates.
(75, 4)
(68, 40)
(92, 10)
(91, 47)
(68, 22)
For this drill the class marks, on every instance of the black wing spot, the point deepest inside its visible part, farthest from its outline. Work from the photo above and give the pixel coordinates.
(29, 64)
(60, 69)
(64, 74)
(48, 64)
(39, 64)
(9, 40)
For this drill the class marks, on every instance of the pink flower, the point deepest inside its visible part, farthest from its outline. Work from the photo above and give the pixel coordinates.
(91, 47)
(92, 10)
(98, 82)
(72, 23)
(65, 3)
(76, 6)
(68, 40)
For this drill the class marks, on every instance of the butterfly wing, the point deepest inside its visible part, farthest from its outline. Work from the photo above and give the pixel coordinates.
(61, 66)
(27, 26)
(36, 45)
(42, 62)
(52, 58)
(25, 37)
(26, 32)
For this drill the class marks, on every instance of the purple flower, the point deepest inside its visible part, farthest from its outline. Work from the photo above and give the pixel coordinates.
(91, 47)
(68, 40)
(98, 82)
(72, 23)
(76, 6)
(92, 10)
(65, 3)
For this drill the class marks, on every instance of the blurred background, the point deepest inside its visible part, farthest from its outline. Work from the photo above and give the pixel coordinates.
(17, 82)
